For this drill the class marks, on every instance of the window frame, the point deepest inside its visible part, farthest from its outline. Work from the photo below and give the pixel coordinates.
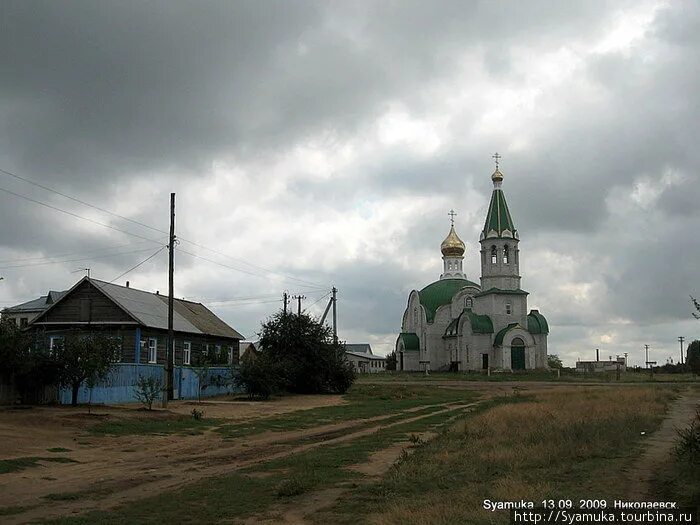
(187, 352)
(154, 348)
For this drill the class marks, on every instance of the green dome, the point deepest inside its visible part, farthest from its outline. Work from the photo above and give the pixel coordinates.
(440, 293)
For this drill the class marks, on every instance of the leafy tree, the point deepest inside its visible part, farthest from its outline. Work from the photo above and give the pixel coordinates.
(260, 377)
(553, 361)
(14, 349)
(84, 357)
(696, 314)
(692, 357)
(304, 354)
(148, 389)
(391, 361)
(202, 373)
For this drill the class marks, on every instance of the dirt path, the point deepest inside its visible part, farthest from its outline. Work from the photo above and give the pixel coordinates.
(659, 445)
(117, 470)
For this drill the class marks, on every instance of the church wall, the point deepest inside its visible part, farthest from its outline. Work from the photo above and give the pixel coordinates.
(480, 344)
(541, 353)
(494, 305)
(411, 361)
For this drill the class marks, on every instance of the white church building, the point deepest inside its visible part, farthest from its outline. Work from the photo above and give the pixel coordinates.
(456, 324)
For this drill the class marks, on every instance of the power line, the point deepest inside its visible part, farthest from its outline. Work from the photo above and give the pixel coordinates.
(80, 201)
(98, 250)
(317, 301)
(73, 260)
(139, 264)
(77, 216)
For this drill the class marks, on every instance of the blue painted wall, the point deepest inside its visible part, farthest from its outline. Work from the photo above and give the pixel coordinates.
(119, 386)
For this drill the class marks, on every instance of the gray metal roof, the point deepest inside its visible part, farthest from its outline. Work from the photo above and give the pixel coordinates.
(366, 356)
(359, 348)
(36, 305)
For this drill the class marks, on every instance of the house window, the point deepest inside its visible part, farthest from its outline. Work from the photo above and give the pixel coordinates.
(152, 349)
(230, 355)
(54, 342)
(505, 254)
(186, 352)
(494, 255)
(23, 322)
(508, 308)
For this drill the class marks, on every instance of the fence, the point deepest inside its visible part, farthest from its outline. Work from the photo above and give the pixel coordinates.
(120, 384)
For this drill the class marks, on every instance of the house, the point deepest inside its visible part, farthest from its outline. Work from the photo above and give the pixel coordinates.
(248, 350)
(25, 313)
(140, 320)
(362, 358)
(593, 367)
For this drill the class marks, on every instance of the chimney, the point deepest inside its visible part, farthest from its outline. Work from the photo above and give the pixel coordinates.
(597, 354)
(127, 284)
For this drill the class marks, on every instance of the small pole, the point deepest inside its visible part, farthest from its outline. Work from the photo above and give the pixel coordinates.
(299, 298)
(646, 347)
(680, 340)
(285, 298)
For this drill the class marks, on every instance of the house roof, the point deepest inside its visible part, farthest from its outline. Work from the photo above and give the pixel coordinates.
(359, 348)
(36, 305)
(151, 310)
(440, 293)
(366, 356)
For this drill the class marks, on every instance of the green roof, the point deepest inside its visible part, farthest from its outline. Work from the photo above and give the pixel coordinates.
(501, 292)
(498, 341)
(440, 293)
(480, 324)
(410, 341)
(536, 323)
(498, 217)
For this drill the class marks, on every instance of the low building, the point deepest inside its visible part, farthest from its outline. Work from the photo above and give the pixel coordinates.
(25, 313)
(363, 360)
(592, 367)
(140, 320)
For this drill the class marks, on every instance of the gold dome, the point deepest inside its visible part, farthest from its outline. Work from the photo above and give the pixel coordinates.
(452, 246)
(497, 175)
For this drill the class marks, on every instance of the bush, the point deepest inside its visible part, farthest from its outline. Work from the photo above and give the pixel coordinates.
(688, 445)
(148, 389)
(197, 415)
(258, 377)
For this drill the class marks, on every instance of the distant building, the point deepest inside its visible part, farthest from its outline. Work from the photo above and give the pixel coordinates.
(362, 358)
(25, 313)
(592, 367)
(248, 350)
(140, 320)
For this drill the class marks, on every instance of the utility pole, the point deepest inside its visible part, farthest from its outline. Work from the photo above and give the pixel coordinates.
(646, 347)
(680, 340)
(285, 299)
(299, 298)
(169, 350)
(335, 316)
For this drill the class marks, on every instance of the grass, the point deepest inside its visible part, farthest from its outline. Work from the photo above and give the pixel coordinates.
(530, 375)
(58, 449)
(16, 509)
(559, 445)
(160, 425)
(17, 464)
(362, 402)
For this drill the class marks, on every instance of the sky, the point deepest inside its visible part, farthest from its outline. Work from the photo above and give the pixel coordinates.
(320, 144)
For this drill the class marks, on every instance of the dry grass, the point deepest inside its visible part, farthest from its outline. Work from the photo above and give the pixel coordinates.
(569, 444)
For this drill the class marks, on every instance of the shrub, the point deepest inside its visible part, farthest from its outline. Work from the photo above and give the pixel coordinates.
(688, 445)
(197, 415)
(148, 389)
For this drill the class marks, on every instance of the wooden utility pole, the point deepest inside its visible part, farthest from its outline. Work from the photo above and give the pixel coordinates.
(285, 298)
(169, 350)
(299, 298)
(680, 340)
(335, 316)
(646, 348)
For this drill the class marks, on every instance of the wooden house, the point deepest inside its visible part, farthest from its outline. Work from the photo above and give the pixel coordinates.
(139, 319)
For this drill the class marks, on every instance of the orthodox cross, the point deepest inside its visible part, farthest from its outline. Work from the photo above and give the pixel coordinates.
(496, 157)
(452, 217)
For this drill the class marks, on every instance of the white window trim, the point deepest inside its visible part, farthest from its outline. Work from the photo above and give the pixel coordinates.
(154, 348)
(186, 353)
(52, 342)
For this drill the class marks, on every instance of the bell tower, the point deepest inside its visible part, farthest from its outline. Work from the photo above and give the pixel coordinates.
(500, 255)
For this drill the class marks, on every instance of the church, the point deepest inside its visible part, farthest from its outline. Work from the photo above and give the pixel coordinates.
(456, 324)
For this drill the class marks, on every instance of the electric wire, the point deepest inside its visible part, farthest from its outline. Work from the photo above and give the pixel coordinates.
(73, 260)
(83, 252)
(317, 301)
(139, 264)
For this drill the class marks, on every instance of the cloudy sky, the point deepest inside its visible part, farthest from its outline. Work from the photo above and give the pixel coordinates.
(313, 144)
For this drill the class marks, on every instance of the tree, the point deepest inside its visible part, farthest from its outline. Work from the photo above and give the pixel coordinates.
(696, 314)
(553, 361)
(14, 349)
(202, 373)
(304, 354)
(148, 389)
(391, 361)
(692, 357)
(84, 357)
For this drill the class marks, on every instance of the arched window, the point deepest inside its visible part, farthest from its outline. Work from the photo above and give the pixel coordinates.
(509, 308)
(415, 318)
(469, 302)
(494, 255)
(505, 254)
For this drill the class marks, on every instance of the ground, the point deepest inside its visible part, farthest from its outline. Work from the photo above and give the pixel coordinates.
(387, 452)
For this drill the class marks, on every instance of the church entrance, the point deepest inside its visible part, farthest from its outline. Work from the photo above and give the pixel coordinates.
(517, 354)
(484, 361)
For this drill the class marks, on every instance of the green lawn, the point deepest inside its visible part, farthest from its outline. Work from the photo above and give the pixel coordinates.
(158, 425)
(17, 464)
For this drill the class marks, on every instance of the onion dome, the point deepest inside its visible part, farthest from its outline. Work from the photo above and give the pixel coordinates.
(497, 176)
(452, 246)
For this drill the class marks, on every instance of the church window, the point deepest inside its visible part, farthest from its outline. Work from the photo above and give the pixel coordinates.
(469, 302)
(415, 317)
(509, 308)
(505, 254)
(494, 255)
